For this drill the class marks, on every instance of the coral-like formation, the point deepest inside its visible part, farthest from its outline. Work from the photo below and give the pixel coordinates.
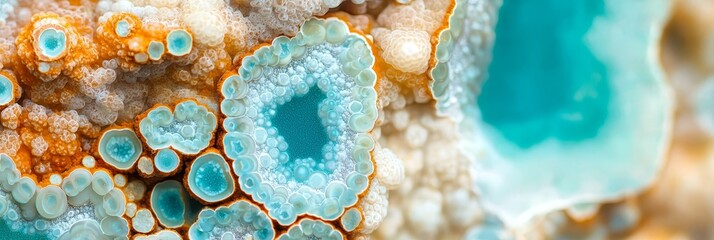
(462, 55)
(341, 119)
(311, 229)
(51, 45)
(320, 82)
(235, 221)
(81, 202)
(188, 128)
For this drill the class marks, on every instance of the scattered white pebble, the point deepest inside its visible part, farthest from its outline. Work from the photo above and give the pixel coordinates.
(88, 162)
(120, 180)
(55, 179)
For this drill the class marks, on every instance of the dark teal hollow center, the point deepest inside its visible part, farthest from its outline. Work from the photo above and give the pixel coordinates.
(8, 233)
(172, 205)
(544, 81)
(299, 123)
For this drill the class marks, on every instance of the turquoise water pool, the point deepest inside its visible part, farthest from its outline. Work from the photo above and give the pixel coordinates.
(544, 81)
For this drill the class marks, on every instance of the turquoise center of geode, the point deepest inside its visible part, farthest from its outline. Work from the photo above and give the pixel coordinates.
(52, 42)
(544, 81)
(212, 179)
(299, 123)
(6, 90)
(179, 42)
(122, 28)
(171, 205)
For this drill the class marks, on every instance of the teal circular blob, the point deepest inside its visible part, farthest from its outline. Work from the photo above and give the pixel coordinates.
(351, 219)
(122, 28)
(236, 219)
(209, 178)
(114, 226)
(298, 120)
(168, 200)
(188, 129)
(166, 160)
(120, 148)
(91, 229)
(51, 202)
(156, 50)
(150, 127)
(52, 43)
(311, 229)
(179, 42)
(304, 132)
(237, 144)
(102, 182)
(7, 90)
(558, 91)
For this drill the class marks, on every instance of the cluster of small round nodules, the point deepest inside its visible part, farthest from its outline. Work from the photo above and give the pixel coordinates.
(407, 50)
(239, 220)
(82, 201)
(311, 229)
(127, 37)
(188, 128)
(52, 45)
(325, 58)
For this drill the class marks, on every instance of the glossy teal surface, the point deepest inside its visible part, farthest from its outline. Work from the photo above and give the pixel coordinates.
(171, 205)
(52, 42)
(156, 50)
(544, 81)
(7, 233)
(212, 181)
(299, 123)
(239, 218)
